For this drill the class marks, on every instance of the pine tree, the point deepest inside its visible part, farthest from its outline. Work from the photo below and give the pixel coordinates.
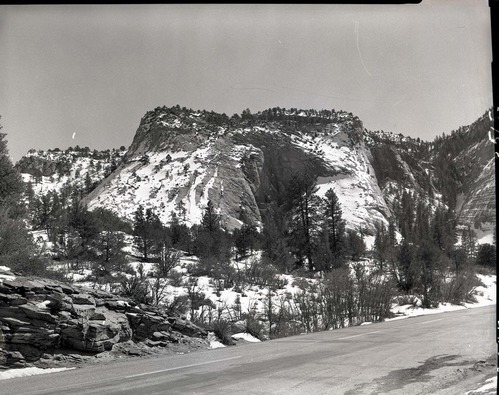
(143, 231)
(355, 245)
(323, 257)
(17, 248)
(468, 241)
(335, 225)
(406, 268)
(210, 220)
(304, 210)
(148, 232)
(274, 244)
(11, 185)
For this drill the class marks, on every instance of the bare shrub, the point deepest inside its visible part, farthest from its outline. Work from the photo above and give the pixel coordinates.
(460, 288)
(222, 329)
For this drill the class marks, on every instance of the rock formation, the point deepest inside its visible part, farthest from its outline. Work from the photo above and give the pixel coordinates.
(41, 317)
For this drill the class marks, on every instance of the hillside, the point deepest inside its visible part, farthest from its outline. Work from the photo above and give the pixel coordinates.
(180, 158)
(74, 170)
(274, 223)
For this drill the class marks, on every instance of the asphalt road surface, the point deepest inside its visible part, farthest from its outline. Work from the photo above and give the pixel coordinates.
(447, 353)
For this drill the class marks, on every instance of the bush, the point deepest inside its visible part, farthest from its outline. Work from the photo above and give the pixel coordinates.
(179, 304)
(460, 288)
(222, 329)
(254, 327)
(486, 255)
(137, 289)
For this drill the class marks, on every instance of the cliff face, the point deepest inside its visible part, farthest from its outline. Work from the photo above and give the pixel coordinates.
(179, 159)
(477, 203)
(41, 318)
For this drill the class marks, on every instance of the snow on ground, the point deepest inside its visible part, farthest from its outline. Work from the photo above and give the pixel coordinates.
(246, 336)
(485, 233)
(81, 276)
(355, 184)
(6, 274)
(24, 372)
(490, 387)
(485, 295)
(161, 181)
(253, 298)
(214, 341)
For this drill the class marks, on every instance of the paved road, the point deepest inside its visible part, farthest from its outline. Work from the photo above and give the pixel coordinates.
(434, 354)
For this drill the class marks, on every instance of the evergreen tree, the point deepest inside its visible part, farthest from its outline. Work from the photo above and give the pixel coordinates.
(335, 225)
(180, 235)
(274, 244)
(210, 220)
(406, 271)
(148, 232)
(443, 229)
(323, 257)
(468, 241)
(108, 244)
(11, 185)
(17, 248)
(355, 245)
(406, 215)
(304, 211)
(486, 255)
(245, 239)
(429, 259)
(382, 245)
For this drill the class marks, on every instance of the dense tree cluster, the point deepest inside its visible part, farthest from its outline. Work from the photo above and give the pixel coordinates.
(308, 231)
(17, 248)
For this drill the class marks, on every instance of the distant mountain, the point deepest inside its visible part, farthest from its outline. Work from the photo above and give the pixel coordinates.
(74, 170)
(180, 158)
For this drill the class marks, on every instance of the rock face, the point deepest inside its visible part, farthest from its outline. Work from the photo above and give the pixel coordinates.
(40, 316)
(477, 202)
(180, 159)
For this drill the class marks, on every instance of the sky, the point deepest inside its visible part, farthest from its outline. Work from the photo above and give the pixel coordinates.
(86, 74)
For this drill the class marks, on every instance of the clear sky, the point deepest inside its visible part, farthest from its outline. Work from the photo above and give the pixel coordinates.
(91, 72)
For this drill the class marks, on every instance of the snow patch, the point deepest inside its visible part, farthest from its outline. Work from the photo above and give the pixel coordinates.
(13, 373)
(246, 336)
(485, 296)
(488, 388)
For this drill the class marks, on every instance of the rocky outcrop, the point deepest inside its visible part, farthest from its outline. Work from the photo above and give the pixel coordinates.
(179, 159)
(477, 202)
(39, 317)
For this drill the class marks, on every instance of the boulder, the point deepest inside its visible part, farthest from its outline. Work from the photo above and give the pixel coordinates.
(12, 312)
(117, 305)
(127, 348)
(36, 313)
(96, 336)
(59, 301)
(187, 328)
(82, 311)
(13, 299)
(83, 299)
(239, 326)
(41, 338)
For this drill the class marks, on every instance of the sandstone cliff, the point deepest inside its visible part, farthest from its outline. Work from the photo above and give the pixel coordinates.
(43, 320)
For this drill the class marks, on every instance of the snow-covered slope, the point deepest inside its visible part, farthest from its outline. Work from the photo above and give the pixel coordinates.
(68, 170)
(180, 158)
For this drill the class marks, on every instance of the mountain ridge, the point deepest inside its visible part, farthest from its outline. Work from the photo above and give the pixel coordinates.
(180, 158)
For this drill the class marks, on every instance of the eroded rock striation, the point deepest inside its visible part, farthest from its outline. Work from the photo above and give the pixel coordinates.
(41, 317)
